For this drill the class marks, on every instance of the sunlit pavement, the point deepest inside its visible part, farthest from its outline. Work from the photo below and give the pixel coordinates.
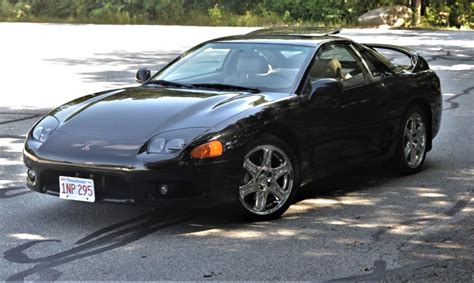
(367, 225)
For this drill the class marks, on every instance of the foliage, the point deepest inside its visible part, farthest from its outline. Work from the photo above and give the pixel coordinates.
(225, 12)
(215, 13)
(449, 13)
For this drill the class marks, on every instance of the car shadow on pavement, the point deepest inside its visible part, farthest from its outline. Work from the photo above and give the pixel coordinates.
(322, 213)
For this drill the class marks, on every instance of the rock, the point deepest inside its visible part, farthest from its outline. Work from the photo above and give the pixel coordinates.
(393, 16)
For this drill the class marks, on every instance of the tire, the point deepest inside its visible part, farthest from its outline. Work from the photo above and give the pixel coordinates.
(270, 179)
(412, 141)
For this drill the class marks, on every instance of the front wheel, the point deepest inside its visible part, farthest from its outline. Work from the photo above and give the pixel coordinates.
(270, 177)
(411, 148)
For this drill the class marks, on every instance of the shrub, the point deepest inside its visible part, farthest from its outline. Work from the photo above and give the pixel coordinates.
(225, 12)
(215, 14)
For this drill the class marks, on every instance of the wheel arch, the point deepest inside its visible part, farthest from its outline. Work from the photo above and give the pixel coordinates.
(284, 133)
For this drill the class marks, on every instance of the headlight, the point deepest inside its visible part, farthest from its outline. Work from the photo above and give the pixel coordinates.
(173, 141)
(45, 128)
(175, 145)
(156, 145)
(160, 145)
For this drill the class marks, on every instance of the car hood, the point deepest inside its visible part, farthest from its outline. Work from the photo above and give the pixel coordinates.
(142, 112)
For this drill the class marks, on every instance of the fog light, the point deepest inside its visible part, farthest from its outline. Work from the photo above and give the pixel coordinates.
(31, 175)
(163, 189)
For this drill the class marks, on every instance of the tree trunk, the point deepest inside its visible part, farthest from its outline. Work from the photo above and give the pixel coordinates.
(416, 7)
(424, 3)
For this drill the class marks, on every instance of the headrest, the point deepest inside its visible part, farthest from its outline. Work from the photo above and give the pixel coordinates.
(250, 62)
(326, 68)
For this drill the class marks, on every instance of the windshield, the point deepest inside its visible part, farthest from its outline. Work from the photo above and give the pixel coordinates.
(257, 66)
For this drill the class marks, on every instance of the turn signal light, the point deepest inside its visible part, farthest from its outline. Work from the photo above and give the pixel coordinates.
(210, 149)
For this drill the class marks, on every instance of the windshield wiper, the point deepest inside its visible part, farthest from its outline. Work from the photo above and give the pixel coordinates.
(170, 84)
(226, 87)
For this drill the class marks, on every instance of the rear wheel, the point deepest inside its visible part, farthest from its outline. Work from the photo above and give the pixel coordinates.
(270, 177)
(411, 148)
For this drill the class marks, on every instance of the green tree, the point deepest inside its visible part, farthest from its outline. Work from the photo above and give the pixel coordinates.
(230, 12)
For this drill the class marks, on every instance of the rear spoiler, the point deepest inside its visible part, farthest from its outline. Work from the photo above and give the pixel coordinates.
(418, 63)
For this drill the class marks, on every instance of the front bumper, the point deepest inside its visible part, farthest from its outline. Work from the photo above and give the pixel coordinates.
(195, 184)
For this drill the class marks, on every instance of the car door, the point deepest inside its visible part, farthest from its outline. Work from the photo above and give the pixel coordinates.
(319, 122)
(387, 83)
(359, 112)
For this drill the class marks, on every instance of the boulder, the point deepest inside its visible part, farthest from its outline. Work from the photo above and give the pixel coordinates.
(393, 16)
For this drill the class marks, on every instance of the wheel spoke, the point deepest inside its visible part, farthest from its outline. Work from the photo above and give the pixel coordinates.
(260, 201)
(417, 125)
(250, 187)
(267, 158)
(407, 135)
(277, 191)
(251, 167)
(412, 127)
(420, 147)
(413, 156)
(407, 149)
(421, 132)
(281, 170)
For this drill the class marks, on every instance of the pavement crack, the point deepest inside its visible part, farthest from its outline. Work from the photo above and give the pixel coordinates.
(20, 119)
(212, 274)
(106, 239)
(460, 204)
(454, 104)
(447, 55)
(436, 57)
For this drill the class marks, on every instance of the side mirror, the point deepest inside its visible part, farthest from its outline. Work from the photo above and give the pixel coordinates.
(326, 87)
(143, 75)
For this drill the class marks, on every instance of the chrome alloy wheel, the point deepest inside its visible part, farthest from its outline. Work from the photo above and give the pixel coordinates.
(414, 140)
(267, 180)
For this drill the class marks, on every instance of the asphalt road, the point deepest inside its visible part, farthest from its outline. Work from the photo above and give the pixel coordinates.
(370, 224)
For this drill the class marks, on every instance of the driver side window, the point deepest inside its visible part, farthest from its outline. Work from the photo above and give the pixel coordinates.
(337, 62)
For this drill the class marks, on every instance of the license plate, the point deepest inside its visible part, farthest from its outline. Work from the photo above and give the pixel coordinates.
(76, 189)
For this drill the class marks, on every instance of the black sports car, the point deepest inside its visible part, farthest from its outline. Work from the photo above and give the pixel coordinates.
(245, 119)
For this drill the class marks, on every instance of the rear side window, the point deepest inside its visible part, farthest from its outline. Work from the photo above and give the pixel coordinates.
(396, 58)
(375, 65)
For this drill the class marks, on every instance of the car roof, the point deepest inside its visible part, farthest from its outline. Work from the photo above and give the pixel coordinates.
(292, 36)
